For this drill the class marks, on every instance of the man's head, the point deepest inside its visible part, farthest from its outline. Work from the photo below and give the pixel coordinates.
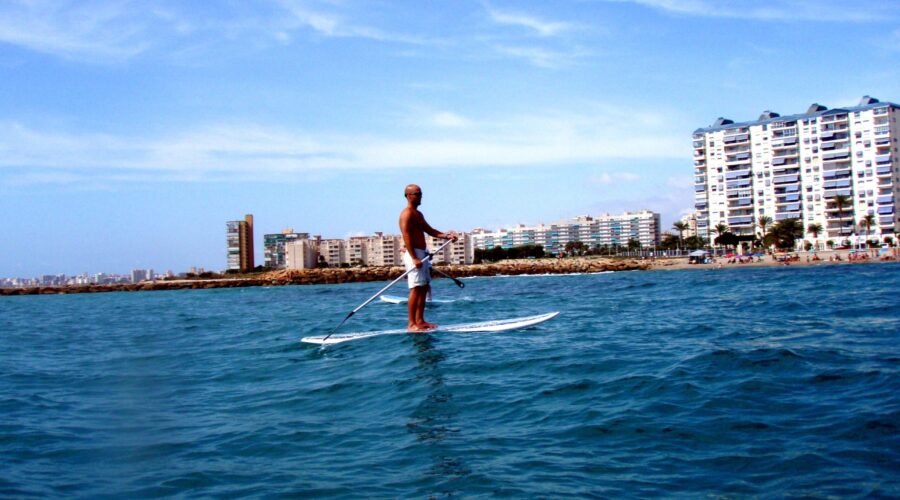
(413, 194)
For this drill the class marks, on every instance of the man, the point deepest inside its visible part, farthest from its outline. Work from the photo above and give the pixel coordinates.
(413, 228)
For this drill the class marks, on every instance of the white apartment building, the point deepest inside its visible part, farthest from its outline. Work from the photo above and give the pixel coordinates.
(691, 221)
(794, 166)
(460, 251)
(384, 250)
(333, 252)
(358, 250)
(605, 229)
(300, 254)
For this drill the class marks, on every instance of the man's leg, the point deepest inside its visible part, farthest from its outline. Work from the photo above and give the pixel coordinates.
(412, 308)
(420, 309)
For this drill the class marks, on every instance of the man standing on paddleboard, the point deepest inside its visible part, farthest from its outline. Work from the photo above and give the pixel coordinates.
(413, 228)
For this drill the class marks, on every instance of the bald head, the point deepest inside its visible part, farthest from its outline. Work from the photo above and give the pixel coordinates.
(411, 188)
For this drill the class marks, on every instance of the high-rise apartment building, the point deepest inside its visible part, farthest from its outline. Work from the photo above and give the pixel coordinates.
(605, 229)
(273, 247)
(831, 167)
(239, 239)
(300, 253)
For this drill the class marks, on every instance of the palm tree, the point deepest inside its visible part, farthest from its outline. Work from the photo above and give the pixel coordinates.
(814, 229)
(841, 201)
(868, 221)
(764, 222)
(720, 229)
(681, 227)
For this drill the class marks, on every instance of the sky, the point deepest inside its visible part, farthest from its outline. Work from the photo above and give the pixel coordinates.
(131, 131)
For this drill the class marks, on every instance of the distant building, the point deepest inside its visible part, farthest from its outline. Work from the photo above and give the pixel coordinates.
(691, 221)
(240, 244)
(138, 275)
(273, 245)
(602, 230)
(795, 167)
(384, 250)
(358, 250)
(300, 254)
(333, 252)
(460, 251)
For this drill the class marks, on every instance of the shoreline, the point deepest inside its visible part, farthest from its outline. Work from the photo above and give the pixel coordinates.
(535, 267)
(333, 276)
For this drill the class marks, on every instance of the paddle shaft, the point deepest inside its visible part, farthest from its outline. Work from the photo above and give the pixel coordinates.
(458, 283)
(392, 283)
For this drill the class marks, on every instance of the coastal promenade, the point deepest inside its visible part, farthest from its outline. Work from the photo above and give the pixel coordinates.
(351, 275)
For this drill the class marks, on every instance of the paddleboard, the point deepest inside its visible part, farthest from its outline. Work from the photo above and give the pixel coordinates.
(394, 299)
(499, 325)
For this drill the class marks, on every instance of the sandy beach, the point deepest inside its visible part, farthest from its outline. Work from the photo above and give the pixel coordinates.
(821, 258)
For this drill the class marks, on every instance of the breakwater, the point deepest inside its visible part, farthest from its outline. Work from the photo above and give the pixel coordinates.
(350, 275)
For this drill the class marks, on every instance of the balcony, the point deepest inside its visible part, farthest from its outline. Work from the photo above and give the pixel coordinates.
(794, 207)
(886, 199)
(883, 159)
(835, 192)
(739, 174)
(886, 210)
(881, 171)
(785, 216)
(740, 202)
(740, 221)
(836, 156)
(791, 198)
(736, 139)
(786, 143)
(886, 221)
(741, 183)
(786, 179)
(699, 188)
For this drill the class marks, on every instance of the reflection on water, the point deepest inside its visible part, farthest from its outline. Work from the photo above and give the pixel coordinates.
(432, 422)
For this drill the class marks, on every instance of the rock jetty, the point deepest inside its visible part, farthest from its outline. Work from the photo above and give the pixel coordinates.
(351, 275)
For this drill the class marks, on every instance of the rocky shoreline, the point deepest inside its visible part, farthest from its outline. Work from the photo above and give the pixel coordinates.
(351, 275)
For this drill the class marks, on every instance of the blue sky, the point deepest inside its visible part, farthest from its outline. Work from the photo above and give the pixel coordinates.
(131, 131)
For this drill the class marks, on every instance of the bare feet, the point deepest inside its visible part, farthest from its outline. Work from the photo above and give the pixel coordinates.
(421, 327)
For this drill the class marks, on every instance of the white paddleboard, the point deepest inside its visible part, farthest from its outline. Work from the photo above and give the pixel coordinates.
(395, 299)
(484, 326)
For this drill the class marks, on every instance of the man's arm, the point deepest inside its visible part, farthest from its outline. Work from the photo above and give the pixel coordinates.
(437, 234)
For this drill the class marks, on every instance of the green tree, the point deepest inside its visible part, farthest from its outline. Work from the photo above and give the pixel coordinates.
(634, 244)
(694, 242)
(719, 229)
(681, 227)
(784, 233)
(841, 201)
(764, 222)
(815, 229)
(868, 221)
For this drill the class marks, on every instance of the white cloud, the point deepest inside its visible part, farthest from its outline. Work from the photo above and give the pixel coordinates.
(610, 178)
(100, 31)
(592, 134)
(541, 27)
(540, 57)
(780, 10)
(448, 119)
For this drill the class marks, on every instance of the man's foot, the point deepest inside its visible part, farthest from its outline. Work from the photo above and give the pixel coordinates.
(427, 326)
(416, 329)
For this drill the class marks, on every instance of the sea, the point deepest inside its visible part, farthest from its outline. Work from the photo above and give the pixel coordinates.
(706, 383)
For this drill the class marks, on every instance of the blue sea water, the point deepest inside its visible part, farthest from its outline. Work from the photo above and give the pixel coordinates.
(723, 383)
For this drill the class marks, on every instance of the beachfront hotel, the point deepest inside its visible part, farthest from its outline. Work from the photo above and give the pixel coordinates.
(603, 230)
(239, 238)
(797, 166)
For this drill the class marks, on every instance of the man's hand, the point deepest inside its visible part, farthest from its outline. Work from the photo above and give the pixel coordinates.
(417, 262)
(452, 236)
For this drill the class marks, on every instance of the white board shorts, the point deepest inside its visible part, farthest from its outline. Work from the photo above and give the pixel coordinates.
(417, 276)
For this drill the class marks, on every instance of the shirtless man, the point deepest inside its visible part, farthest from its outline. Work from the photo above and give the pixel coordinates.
(413, 228)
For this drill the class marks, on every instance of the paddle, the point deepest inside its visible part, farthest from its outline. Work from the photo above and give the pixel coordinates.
(458, 283)
(392, 283)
